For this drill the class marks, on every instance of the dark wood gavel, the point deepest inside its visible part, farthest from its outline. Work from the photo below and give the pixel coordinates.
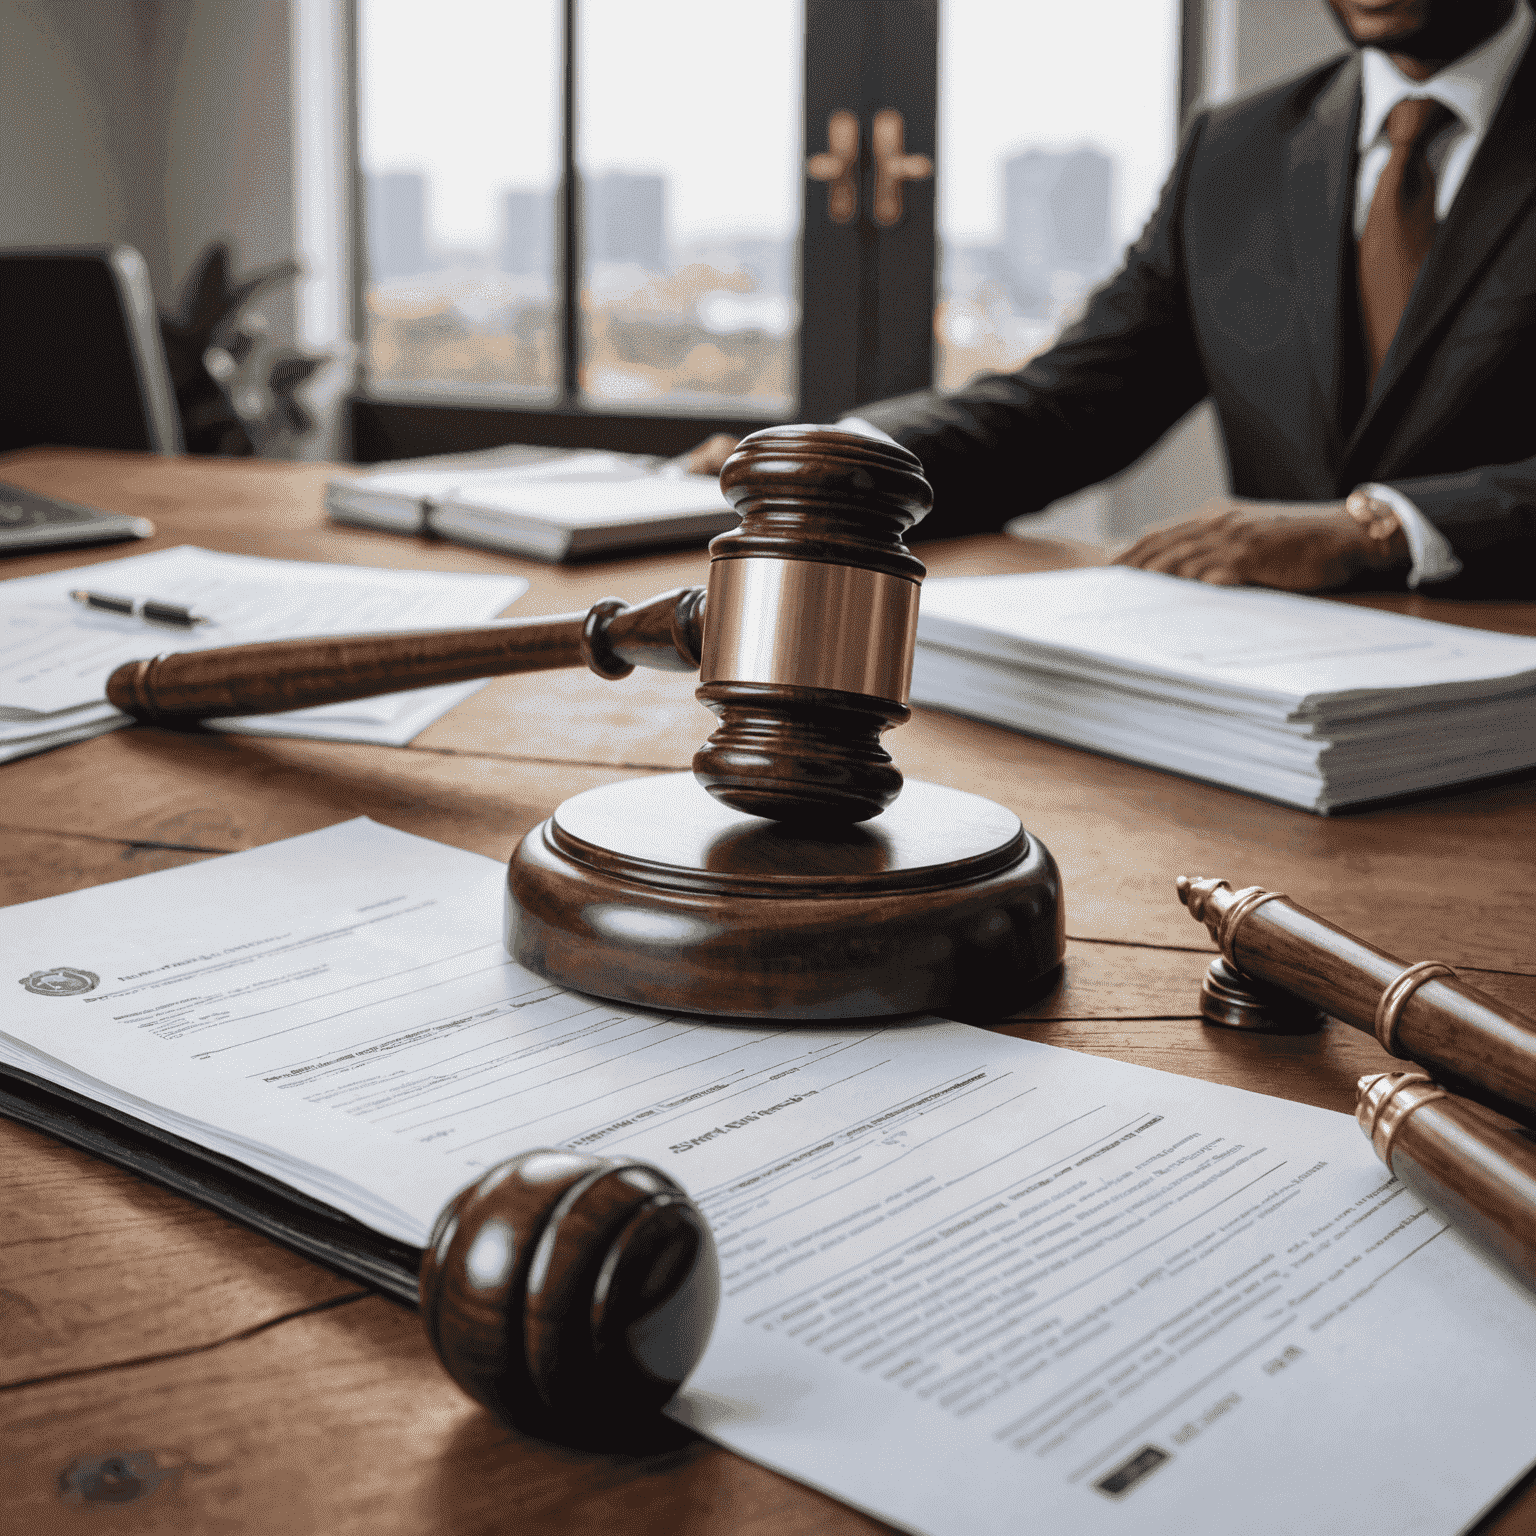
(1481, 1177)
(1282, 965)
(803, 638)
(571, 1295)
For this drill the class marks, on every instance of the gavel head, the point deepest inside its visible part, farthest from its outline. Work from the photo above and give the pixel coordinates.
(810, 622)
(571, 1295)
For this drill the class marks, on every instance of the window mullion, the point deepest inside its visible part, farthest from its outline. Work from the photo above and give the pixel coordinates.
(570, 220)
(831, 254)
(896, 338)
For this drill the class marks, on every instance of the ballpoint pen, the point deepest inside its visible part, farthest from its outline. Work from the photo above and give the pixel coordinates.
(141, 608)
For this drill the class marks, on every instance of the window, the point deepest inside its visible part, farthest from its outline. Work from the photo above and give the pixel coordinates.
(590, 220)
(459, 136)
(1049, 173)
(688, 289)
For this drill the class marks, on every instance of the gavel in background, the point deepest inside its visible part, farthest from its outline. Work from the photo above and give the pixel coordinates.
(1480, 1176)
(806, 657)
(571, 1295)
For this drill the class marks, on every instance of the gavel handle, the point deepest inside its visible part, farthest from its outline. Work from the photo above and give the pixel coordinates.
(666, 632)
(1472, 1043)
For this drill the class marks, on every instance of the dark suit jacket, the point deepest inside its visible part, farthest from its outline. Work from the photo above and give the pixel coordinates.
(1242, 288)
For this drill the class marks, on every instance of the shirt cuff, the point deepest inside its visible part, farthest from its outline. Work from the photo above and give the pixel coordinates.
(865, 428)
(1429, 551)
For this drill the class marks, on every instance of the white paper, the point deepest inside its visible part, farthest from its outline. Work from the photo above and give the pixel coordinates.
(434, 479)
(966, 1277)
(56, 656)
(1318, 704)
(596, 504)
(1273, 648)
(563, 504)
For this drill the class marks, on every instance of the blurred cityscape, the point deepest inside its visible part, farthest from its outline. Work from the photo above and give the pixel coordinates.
(710, 324)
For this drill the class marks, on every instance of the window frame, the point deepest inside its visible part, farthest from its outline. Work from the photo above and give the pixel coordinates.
(866, 294)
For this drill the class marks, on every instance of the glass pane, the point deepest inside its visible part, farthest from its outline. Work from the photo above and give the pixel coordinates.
(1056, 130)
(689, 147)
(460, 127)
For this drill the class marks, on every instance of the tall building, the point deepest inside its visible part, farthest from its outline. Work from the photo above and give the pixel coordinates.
(1055, 221)
(397, 224)
(527, 231)
(626, 219)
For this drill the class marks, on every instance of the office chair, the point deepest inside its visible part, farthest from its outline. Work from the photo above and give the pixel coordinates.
(84, 364)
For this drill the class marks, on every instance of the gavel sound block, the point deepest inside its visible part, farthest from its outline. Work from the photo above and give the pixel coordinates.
(800, 887)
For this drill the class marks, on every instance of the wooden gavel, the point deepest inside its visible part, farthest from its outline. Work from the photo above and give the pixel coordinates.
(803, 639)
(570, 1295)
(1284, 966)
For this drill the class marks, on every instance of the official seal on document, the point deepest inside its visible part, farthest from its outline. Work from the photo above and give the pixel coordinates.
(60, 981)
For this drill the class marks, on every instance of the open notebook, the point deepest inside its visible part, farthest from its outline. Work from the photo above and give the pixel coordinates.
(547, 503)
(1087, 1284)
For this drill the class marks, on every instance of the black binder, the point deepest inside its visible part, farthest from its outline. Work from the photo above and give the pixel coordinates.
(308, 1226)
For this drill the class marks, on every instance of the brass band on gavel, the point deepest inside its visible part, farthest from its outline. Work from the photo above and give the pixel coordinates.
(1475, 1045)
(1480, 1177)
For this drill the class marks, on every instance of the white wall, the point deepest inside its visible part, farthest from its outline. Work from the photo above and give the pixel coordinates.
(225, 146)
(1276, 38)
(170, 123)
(73, 117)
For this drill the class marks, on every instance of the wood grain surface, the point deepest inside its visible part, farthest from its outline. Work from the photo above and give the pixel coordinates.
(264, 1400)
(101, 1267)
(344, 1422)
(38, 864)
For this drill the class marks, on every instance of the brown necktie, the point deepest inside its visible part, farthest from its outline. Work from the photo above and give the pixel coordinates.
(1400, 227)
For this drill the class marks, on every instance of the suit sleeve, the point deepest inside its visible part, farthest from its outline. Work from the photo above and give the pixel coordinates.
(1093, 403)
(1489, 516)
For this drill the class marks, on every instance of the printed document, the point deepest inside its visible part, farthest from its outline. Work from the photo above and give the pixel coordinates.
(970, 1283)
(56, 656)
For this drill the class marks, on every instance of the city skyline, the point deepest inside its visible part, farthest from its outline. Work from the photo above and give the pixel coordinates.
(481, 110)
(711, 319)
(1055, 214)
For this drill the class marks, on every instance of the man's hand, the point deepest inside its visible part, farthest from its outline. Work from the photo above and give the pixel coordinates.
(1306, 547)
(709, 457)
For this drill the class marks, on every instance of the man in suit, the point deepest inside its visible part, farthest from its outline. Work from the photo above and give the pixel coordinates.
(1346, 264)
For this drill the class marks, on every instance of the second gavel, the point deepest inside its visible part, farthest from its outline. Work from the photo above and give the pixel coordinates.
(1284, 967)
(811, 887)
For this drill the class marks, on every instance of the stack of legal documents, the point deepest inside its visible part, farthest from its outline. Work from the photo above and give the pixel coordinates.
(551, 504)
(56, 656)
(1314, 703)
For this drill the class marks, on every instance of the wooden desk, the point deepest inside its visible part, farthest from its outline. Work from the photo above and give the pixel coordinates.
(284, 1399)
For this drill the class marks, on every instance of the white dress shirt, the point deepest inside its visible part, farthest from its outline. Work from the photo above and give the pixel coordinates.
(1472, 88)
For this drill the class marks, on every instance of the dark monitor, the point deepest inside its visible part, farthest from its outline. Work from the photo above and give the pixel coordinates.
(84, 365)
